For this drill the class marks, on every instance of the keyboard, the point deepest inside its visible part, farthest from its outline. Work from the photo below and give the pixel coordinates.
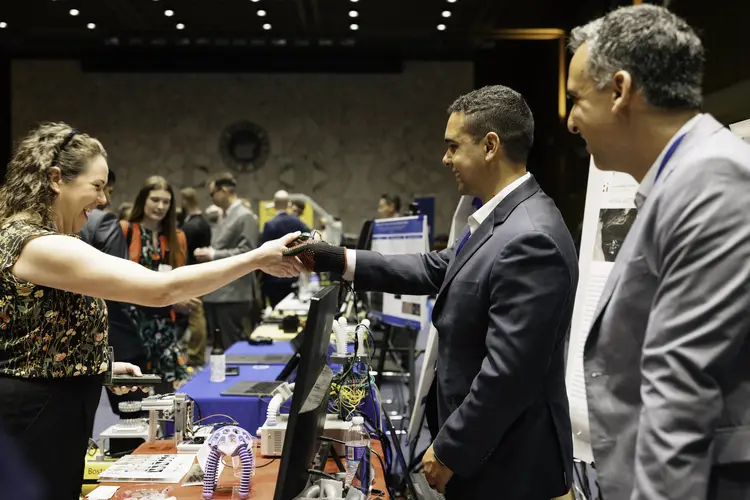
(422, 488)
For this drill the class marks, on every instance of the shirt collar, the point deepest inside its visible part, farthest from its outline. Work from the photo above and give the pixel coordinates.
(233, 206)
(476, 219)
(648, 181)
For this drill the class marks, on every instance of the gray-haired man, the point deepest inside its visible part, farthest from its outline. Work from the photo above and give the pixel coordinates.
(667, 361)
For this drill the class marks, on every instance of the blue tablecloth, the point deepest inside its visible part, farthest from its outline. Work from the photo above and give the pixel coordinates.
(248, 411)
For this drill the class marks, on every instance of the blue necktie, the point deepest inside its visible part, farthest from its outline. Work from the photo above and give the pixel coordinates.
(464, 239)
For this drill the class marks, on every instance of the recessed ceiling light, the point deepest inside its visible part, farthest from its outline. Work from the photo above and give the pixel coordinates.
(169, 13)
(91, 26)
(353, 13)
(255, 1)
(451, 1)
(266, 26)
(180, 26)
(354, 27)
(441, 27)
(354, 1)
(262, 13)
(74, 12)
(446, 13)
(3, 24)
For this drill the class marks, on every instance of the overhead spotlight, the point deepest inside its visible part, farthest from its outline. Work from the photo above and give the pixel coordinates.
(441, 27)
(451, 1)
(446, 13)
(91, 26)
(180, 26)
(354, 27)
(353, 13)
(354, 1)
(255, 1)
(266, 26)
(3, 24)
(169, 13)
(262, 13)
(74, 12)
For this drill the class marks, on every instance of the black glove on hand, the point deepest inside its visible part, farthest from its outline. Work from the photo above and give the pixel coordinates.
(320, 257)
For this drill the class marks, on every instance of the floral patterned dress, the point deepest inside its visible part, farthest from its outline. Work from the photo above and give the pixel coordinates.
(156, 324)
(45, 332)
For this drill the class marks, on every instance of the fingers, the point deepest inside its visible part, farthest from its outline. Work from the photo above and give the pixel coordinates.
(286, 240)
(135, 370)
(291, 252)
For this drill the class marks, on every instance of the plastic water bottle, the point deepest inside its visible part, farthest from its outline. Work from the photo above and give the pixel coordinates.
(218, 363)
(358, 455)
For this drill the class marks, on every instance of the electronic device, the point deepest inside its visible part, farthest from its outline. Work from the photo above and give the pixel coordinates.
(272, 436)
(250, 388)
(258, 359)
(133, 380)
(306, 420)
(232, 371)
(260, 341)
(302, 238)
(194, 444)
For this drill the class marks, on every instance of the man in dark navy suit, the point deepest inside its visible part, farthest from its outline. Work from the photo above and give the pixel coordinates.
(275, 289)
(506, 292)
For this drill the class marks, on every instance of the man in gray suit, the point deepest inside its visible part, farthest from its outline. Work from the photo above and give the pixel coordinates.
(667, 360)
(506, 292)
(229, 309)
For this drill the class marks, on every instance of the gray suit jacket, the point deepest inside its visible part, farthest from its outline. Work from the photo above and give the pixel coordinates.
(236, 233)
(667, 360)
(502, 317)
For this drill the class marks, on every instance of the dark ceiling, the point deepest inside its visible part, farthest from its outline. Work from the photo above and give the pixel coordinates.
(47, 26)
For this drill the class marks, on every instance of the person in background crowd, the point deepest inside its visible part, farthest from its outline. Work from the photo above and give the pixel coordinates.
(275, 289)
(297, 208)
(124, 210)
(198, 234)
(154, 242)
(102, 231)
(389, 206)
(231, 308)
(666, 362)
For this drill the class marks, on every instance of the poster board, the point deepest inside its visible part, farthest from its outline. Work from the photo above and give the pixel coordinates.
(400, 235)
(742, 129)
(266, 212)
(608, 214)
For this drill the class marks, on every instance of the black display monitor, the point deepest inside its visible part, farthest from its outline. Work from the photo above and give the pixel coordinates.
(307, 414)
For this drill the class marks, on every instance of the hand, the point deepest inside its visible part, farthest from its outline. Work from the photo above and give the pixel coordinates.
(320, 257)
(272, 260)
(203, 254)
(186, 306)
(437, 474)
(121, 368)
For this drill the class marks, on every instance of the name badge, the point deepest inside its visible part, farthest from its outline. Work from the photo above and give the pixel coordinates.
(164, 268)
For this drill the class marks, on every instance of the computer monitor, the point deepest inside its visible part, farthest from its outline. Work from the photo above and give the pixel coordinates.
(307, 414)
(297, 342)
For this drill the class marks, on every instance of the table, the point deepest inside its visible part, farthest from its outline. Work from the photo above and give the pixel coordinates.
(291, 304)
(272, 331)
(279, 346)
(263, 483)
(248, 411)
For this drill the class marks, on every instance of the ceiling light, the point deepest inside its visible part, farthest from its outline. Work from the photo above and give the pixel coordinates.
(74, 12)
(353, 13)
(451, 1)
(255, 1)
(3, 24)
(441, 27)
(354, 27)
(266, 26)
(262, 13)
(354, 1)
(91, 26)
(169, 13)
(446, 13)
(180, 26)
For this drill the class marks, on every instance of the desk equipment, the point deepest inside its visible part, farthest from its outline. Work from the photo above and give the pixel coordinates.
(229, 441)
(252, 388)
(307, 414)
(157, 468)
(258, 359)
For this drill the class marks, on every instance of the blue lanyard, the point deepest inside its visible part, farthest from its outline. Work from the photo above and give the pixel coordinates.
(668, 155)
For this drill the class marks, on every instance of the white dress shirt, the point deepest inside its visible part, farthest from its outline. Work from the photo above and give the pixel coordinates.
(474, 221)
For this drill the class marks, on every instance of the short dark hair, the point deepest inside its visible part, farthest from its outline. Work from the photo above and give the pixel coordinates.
(225, 180)
(111, 178)
(392, 200)
(662, 53)
(300, 205)
(502, 110)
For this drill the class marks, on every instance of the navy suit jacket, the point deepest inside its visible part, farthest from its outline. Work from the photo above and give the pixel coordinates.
(502, 314)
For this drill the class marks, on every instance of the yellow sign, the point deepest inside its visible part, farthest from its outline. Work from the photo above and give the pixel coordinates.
(266, 212)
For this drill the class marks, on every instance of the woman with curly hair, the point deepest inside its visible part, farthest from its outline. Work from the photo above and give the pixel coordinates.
(53, 321)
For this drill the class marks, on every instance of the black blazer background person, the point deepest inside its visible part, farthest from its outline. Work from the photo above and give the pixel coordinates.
(503, 312)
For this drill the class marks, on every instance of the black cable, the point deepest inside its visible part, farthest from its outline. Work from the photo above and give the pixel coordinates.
(385, 474)
(322, 474)
(332, 440)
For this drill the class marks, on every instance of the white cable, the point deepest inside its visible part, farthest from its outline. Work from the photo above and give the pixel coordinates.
(341, 337)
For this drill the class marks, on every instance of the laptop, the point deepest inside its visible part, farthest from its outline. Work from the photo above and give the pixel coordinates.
(258, 359)
(249, 388)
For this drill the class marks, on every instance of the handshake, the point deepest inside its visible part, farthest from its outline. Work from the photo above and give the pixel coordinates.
(316, 255)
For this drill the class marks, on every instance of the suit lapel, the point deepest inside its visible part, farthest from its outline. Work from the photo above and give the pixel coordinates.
(486, 228)
(705, 127)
